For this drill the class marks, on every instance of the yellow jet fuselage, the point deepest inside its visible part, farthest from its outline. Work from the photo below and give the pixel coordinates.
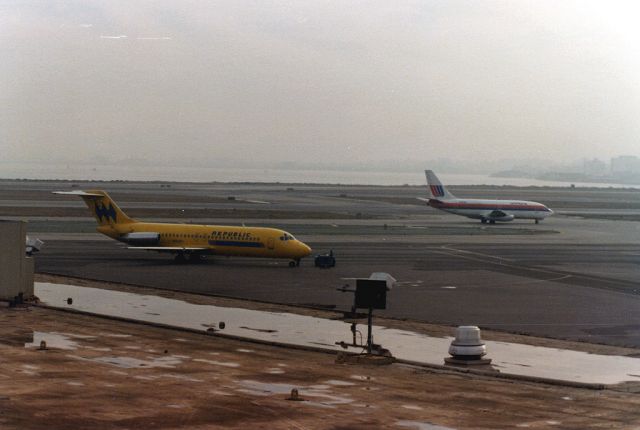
(217, 239)
(190, 239)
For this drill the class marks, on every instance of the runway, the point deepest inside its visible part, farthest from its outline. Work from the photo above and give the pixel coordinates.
(571, 277)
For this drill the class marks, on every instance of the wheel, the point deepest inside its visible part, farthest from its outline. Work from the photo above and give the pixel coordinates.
(537, 221)
(292, 264)
(195, 258)
(492, 221)
(483, 221)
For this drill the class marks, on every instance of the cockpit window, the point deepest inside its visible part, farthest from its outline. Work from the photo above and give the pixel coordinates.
(287, 236)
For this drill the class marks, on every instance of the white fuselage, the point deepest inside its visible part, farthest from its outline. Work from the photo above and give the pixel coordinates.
(491, 209)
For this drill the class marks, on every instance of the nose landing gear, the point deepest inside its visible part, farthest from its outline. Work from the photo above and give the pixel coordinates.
(294, 263)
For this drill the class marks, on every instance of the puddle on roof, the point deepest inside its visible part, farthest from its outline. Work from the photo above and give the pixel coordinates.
(30, 367)
(412, 407)
(181, 377)
(339, 383)
(362, 377)
(539, 424)
(328, 399)
(419, 425)
(133, 363)
(175, 406)
(53, 340)
(100, 349)
(267, 389)
(79, 336)
(304, 330)
(217, 363)
(146, 377)
(312, 396)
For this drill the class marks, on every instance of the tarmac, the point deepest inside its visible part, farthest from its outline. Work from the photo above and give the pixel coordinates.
(570, 277)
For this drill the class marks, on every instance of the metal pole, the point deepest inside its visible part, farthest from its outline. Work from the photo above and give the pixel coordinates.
(369, 333)
(353, 331)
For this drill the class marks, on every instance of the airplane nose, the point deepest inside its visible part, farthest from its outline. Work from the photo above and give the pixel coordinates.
(305, 250)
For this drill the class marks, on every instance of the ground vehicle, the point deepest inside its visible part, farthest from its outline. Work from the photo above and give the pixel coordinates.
(324, 261)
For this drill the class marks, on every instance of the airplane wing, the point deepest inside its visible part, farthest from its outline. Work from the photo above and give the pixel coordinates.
(169, 248)
(499, 215)
(423, 199)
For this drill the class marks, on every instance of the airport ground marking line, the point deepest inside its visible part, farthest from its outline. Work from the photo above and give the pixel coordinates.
(535, 269)
(538, 281)
(505, 284)
(464, 251)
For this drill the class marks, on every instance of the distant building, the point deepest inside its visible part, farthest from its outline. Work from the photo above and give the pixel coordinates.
(594, 167)
(625, 165)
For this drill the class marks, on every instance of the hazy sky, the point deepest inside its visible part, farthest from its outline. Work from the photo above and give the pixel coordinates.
(345, 81)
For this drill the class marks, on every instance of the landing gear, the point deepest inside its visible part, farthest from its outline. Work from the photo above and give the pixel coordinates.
(492, 221)
(184, 257)
(294, 263)
(195, 258)
(483, 221)
(537, 221)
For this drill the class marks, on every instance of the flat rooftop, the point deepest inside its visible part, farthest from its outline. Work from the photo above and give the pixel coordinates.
(100, 373)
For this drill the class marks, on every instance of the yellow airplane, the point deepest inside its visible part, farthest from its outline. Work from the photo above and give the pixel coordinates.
(188, 241)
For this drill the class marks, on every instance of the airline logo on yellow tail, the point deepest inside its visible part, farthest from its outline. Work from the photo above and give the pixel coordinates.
(106, 212)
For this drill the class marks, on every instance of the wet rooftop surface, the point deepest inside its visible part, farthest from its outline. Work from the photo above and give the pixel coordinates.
(103, 374)
(293, 329)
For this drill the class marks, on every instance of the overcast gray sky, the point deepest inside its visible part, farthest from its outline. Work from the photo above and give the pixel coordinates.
(362, 81)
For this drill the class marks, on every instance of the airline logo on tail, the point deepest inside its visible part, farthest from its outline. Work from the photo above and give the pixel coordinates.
(106, 212)
(437, 190)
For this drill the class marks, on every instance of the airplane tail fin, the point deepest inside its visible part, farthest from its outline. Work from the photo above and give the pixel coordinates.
(435, 189)
(105, 210)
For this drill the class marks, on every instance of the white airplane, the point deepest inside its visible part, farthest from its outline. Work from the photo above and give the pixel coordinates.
(485, 210)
